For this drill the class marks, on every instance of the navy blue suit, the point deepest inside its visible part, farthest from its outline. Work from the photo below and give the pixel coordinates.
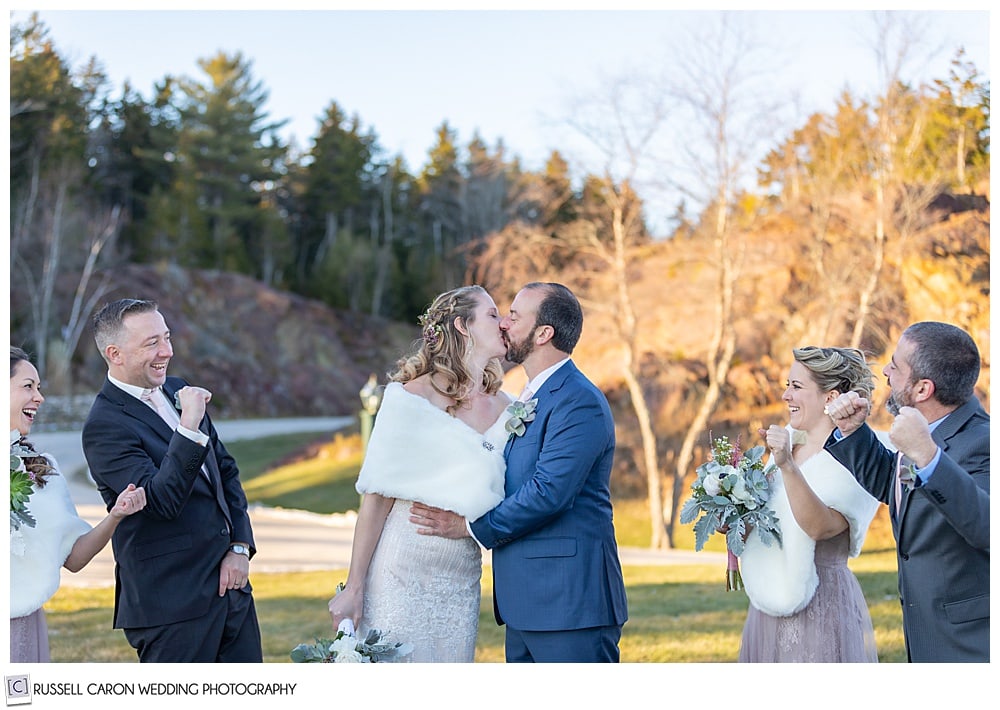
(555, 559)
(167, 556)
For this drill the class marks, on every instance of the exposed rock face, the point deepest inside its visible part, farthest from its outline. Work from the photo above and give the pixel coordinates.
(262, 352)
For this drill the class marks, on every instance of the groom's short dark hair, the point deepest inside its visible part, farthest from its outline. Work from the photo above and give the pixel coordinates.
(561, 310)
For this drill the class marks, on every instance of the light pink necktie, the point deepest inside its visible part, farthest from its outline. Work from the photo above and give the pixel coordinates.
(156, 399)
(525, 394)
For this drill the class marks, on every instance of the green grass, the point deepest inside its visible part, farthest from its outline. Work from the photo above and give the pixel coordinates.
(324, 484)
(677, 613)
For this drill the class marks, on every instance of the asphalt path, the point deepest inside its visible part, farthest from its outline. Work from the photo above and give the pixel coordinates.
(287, 540)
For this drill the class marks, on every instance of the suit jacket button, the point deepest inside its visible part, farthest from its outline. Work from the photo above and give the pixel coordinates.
(223, 531)
(903, 556)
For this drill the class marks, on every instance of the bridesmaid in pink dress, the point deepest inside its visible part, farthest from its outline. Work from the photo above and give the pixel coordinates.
(59, 537)
(805, 604)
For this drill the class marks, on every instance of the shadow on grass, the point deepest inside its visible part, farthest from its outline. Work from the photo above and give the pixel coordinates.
(677, 614)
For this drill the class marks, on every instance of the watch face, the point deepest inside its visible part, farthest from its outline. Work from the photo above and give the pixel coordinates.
(239, 549)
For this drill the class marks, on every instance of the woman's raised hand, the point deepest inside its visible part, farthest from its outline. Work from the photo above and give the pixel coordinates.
(779, 443)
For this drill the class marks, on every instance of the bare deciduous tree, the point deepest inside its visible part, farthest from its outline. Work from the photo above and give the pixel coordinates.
(718, 80)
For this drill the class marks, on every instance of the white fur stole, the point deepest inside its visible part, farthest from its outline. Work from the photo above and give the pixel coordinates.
(421, 453)
(37, 554)
(780, 581)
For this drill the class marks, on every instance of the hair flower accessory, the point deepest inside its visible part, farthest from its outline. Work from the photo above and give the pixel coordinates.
(521, 413)
(431, 329)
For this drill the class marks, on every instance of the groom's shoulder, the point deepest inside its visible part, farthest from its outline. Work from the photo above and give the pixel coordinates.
(582, 386)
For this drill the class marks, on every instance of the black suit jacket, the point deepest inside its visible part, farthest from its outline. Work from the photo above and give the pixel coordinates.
(167, 556)
(942, 534)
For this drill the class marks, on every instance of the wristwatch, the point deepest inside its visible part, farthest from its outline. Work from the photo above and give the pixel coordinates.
(240, 549)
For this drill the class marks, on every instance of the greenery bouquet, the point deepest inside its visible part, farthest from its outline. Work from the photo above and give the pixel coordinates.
(21, 485)
(346, 647)
(730, 495)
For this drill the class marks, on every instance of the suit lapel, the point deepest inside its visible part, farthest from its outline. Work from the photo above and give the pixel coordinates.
(215, 474)
(139, 410)
(952, 423)
(545, 396)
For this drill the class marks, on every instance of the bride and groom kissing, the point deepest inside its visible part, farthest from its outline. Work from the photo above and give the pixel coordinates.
(454, 465)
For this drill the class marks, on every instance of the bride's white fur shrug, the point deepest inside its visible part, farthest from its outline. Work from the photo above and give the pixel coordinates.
(419, 452)
(781, 580)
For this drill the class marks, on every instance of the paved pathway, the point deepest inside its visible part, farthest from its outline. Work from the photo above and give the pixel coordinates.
(287, 540)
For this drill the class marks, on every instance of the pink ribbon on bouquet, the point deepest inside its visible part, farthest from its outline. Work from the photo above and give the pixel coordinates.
(734, 580)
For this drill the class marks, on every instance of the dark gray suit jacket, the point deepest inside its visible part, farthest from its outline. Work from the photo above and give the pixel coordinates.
(167, 556)
(942, 532)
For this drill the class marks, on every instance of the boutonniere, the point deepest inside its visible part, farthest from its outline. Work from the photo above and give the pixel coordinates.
(177, 401)
(520, 414)
(908, 474)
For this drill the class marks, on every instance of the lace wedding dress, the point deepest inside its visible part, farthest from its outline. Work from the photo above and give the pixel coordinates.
(422, 589)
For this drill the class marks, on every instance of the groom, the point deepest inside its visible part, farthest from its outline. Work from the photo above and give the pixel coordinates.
(556, 574)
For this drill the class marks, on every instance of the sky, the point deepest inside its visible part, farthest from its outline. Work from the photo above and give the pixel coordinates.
(507, 75)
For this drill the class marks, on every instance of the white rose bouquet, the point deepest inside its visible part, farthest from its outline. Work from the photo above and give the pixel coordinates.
(730, 495)
(346, 647)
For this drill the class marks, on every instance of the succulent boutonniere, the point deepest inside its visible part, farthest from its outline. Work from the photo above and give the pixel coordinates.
(908, 473)
(520, 414)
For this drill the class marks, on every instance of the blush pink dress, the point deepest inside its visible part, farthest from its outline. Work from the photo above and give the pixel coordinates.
(835, 627)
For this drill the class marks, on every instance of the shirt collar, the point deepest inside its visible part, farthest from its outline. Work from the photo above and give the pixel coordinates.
(136, 392)
(539, 380)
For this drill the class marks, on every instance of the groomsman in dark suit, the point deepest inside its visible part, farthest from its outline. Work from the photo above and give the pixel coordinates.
(182, 590)
(937, 488)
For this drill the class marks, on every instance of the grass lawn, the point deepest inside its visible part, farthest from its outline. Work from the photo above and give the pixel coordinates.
(677, 613)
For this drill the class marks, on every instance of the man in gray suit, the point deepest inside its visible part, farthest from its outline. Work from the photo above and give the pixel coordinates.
(937, 488)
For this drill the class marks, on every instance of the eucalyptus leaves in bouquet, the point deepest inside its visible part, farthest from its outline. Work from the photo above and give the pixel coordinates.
(347, 648)
(730, 495)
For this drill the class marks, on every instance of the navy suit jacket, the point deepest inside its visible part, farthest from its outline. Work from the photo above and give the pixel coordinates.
(555, 559)
(167, 556)
(942, 531)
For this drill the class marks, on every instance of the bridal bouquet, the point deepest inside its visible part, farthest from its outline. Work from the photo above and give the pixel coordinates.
(346, 647)
(21, 485)
(730, 495)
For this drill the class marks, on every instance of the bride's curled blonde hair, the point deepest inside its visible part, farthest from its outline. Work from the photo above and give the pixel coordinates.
(443, 351)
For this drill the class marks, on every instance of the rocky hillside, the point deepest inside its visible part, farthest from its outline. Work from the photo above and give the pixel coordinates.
(262, 352)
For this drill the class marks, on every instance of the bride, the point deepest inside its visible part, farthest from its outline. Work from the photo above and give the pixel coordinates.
(438, 439)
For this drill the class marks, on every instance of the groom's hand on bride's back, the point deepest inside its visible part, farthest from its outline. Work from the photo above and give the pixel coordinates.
(435, 521)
